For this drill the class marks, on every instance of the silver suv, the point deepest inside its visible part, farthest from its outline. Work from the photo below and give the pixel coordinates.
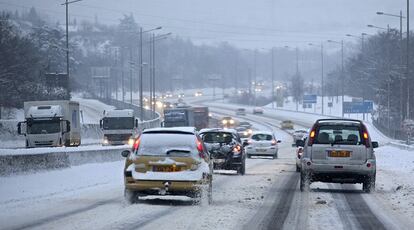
(338, 151)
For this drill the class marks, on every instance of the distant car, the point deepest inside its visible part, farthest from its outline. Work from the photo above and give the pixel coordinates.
(225, 148)
(287, 124)
(198, 94)
(299, 134)
(262, 143)
(228, 122)
(245, 124)
(338, 151)
(241, 111)
(258, 110)
(168, 161)
(169, 95)
(243, 132)
(181, 95)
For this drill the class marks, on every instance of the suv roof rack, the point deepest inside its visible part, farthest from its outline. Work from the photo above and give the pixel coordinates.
(339, 119)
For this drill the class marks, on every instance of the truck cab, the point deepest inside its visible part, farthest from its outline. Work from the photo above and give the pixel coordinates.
(119, 127)
(51, 124)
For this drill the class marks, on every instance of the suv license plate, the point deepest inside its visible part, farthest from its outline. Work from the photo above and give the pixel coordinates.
(218, 161)
(165, 169)
(339, 153)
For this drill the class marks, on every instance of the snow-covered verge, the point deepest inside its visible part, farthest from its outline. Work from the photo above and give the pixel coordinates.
(17, 161)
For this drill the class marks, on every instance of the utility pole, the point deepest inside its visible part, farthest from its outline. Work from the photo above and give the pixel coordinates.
(408, 60)
(322, 87)
(141, 104)
(342, 76)
(66, 4)
(273, 79)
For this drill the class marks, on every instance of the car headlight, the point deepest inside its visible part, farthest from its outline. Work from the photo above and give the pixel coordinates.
(250, 131)
(245, 133)
(105, 141)
(131, 142)
(231, 122)
(224, 122)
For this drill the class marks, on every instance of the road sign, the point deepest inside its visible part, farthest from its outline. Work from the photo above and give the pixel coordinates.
(358, 107)
(309, 99)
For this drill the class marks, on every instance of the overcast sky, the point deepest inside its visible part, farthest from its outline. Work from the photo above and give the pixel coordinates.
(244, 23)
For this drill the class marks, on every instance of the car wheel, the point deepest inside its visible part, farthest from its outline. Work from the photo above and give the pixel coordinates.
(369, 184)
(304, 182)
(242, 168)
(297, 168)
(210, 191)
(130, 196)
(249, 156)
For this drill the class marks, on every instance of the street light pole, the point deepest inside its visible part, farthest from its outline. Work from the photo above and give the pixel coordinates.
(66, 3)
(408, 60)
(273, 79)
(322, 73)
(342, 72)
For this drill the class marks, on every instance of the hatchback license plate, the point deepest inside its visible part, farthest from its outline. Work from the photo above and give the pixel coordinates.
(219, 161)
(166, 169)
(339, 153)
(260, 150)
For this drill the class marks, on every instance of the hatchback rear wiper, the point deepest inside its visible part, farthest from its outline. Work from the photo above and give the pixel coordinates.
(178, 150)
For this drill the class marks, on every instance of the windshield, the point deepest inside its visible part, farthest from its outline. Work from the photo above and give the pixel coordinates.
(339, 134)
(171, 144)
(43, 127)
(118, 123)
(262, 137)
(217, 137)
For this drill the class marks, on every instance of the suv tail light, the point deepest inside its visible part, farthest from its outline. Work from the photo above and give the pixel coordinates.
(312, 135)
(365, 136)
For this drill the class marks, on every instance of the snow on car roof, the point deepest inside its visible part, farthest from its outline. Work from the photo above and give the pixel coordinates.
(171, 129)
(262, 132)
(218, 130)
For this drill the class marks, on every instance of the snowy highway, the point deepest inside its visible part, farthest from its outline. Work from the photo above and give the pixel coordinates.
(91, 197)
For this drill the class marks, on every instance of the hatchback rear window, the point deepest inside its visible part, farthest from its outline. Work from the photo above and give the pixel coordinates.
(217, 137)
(338, 134)
(262, 137)
(171, 144)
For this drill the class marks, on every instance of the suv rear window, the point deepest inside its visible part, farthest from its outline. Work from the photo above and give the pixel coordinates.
(161, 144)
(262, 137)
(338, 134)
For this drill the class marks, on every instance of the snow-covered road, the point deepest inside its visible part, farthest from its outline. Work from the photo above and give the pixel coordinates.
(267, 197)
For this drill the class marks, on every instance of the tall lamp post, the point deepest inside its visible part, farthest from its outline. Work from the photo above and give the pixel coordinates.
(401, 17)
(297, 68)
(141, 68)
(362, 38)
(322, 86)
(152, 66)
(66, 4)
(342, 71)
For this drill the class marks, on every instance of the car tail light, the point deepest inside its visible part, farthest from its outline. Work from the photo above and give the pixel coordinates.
(250, 141)
(369, 165)
(136, 144)
(200, 148)
(237, 149)
(312, 136)
(274, 142)
(365, 136)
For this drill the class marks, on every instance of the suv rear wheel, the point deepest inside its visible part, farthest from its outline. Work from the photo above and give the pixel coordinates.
(304, 182)
(369, 184)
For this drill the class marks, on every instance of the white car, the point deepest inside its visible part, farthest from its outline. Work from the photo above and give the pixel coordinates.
(299, 134)
(258, 110)
(262, 143)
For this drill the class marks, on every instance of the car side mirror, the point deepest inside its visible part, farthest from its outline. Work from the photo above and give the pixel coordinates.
(300, 143)
(101, 123)
(279, 141)
(245, 143)
(125, 153)
(375, 144)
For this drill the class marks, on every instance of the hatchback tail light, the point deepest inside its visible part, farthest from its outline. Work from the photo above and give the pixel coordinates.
(274, 142)
(237, 149)
(136, 144)
(200, 148)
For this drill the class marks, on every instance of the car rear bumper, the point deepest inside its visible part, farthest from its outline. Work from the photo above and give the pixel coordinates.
(262, 152)
(160, 187)
(341, 173)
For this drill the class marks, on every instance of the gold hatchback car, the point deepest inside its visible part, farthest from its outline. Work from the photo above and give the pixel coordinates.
(168, 161)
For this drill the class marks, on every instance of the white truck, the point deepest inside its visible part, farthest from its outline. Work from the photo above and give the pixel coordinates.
(51, 124)
(119, 127)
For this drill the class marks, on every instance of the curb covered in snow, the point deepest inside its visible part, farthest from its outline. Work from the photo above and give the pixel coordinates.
(29, 163)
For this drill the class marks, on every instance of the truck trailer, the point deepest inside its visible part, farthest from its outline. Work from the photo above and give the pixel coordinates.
(51, 124)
